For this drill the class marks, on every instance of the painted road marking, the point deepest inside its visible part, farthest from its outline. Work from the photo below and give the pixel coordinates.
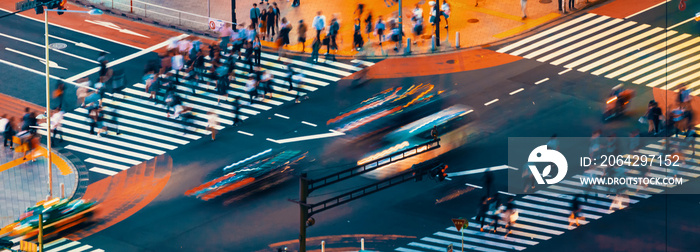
(282, 116)
(506, 193)
(517, 91)
(124, 59)
(308, 123)
(541, 81)
(115, 27)
(42, 60)
(565, 71)
(530, 39)
(475, 186)
(74, 30)
(480, 170)
(568, 40)
(691, 44)
(79, 44)
(309, 137)
(108, 164)
(656, 5)
(560, 35)
(678, 24)
(42, 46)
(628, 45)
(27, 69)
(491, 102)
(272, 140)
(245, 133)
(584, 47)
(615, 46)
(625, 61)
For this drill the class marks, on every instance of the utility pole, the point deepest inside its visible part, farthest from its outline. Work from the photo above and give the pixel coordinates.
(303, 210)
(48, 102)
(400, 23)
(233, 11)
(437, 22)
(40, 238)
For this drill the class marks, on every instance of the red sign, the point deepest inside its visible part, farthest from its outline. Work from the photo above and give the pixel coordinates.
(459, 223)
(681, 5)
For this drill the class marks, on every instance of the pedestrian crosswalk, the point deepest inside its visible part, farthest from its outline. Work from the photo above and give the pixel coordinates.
(617, 49)
(146, 131)
(62, 245)
(545, 214)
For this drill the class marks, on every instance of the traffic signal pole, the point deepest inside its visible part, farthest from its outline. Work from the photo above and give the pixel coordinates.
(48, 102)
(437, 22)
(233, 11)
(303, 210)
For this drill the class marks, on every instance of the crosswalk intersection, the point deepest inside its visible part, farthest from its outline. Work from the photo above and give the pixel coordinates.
(62, 245)
(146, 131)
(545, 214)
(617, 49)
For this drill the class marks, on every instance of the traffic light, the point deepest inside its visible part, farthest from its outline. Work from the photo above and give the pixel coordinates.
(61, 6)
(439, 172)
(39, 9)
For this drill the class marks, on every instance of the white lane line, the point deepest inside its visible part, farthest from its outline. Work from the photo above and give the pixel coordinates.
(475, 186)
(642, 59)
(272, 140)
(542, 80)
(85, 135)
(40, 59)
(282, 116)
(479, 241)
(74, 30)
(80, 44)
(367, 63)
(468, 231)
(572, 54)
(309, 137)
(506, 193)
(103, 147)
(124, 59)
(283, 75)
(42, 46)
(565, 71)
(315, 66)
(27, 69)
(491, 102)
(544, 33)
(517, 91)
(466, 245)
(480, 170)
(245, 133)
(108, 164)
(656, 5)
(308, 123)
(103, 171)
(678, 24)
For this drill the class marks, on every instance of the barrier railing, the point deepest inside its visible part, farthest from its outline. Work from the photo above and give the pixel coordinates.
(157, 13)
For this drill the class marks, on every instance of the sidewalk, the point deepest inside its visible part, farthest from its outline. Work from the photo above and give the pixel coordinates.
(23, 185)
(489, 22)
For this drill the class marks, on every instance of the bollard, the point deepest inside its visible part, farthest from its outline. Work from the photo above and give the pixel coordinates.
(63, 191)
(323, 246)
(432, 43)
(407, 50)
(457, 39)
(362, 244)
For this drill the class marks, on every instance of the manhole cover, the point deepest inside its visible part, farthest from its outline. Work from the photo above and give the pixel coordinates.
(545, 1)
(450, 61)
(473, 20)
(57, 46)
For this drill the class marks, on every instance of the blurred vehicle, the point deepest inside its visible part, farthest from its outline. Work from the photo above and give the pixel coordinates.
(617, 103)
(388, 110)
(58, 215)
(419, 131)
(252, 173)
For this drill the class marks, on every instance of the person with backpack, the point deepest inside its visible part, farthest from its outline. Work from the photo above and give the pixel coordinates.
(333, 34)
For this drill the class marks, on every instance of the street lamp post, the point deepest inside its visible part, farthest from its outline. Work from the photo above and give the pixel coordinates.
(48, 87)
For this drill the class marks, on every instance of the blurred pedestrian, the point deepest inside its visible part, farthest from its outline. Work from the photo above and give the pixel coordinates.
(368, 25)
(7, 129)
(575, 210)
(396, 34)
(270, 21)
(58, 93)
(553, 143)
(488, 182)
(319, 24)
(297, 81)
(333, 33)
(254, 15)
(562, 7)
(315, 48)
(222, 86)
(296, 3)
(302, 34)
(523, 5)
(276, 11)
(263, 23)
(28, 120)
(250, 87)
(379, 29)
(445, 8)
(266, 83)
(56, 123)
(654, 115)
(357, 40)
(237, 39)
(572, 5)
(483, 209)
(225, 37)
(283, 38)
(510, 215)
(212, 123)
(257, 50)
(236, 110)
(360, 9)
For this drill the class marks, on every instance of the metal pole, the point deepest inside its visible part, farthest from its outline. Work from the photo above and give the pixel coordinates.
(303, 211)
(362, 244)
(400, 23)
(457, 39)
(233, 11)
(40, 238)
(209, 8)
(131, 6)
(48, 102)
(437, 22)
(323, 246)
(462, 239)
